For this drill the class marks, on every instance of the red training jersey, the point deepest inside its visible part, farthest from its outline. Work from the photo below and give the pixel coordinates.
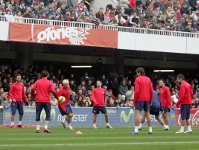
(66, 93)
(186, 94)
(143, 89)
(99, 97)
(43, 87)
(165, 96)
(17, 92)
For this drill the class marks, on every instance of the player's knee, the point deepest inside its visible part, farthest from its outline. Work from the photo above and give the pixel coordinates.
(70, 115)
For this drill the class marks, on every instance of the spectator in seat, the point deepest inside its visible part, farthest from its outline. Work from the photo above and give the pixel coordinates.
(45, 2)
(184, 10)
(50, 10)
(17, 16)
(5, 85)
(133, 20)
(62, 10)
(8, 15)
(193, 4)
(120, 20)
(73, 86)
(107, 20)
(100, 15)
(68, 17)
(28, 3)
(178, 15)
(13, 6)
(123, 88)
(40, 9)
(29, 14)
(111, 13)
(195, 16)
(22, 7)
(158, 3)
(132, 3)
(174, 21)
(157, 12)
(179, 27)
(104, 80)
(111, 94)
(130, 93)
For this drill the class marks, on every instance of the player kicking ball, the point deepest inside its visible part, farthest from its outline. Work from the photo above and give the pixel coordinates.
(65, 107)
(99, 98)
(155, 109)
(184, 101)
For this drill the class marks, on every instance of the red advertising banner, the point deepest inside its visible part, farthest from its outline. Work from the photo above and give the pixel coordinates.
(194, 117)
(66, 35)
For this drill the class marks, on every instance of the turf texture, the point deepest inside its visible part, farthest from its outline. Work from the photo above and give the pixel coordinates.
(98, 139)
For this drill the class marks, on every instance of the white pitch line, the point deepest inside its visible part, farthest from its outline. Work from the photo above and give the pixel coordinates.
(93, 138)
(97, 144)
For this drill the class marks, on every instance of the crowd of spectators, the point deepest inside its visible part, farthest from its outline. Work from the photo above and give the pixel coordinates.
(174, 15)
(119, 87)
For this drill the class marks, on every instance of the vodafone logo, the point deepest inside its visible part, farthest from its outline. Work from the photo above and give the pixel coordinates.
(75, 35)
(195, 119)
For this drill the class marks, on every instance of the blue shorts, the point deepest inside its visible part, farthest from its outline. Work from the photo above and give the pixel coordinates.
(98, 109)
(154, 113)
(39, 107)
(142, 105)
(185, 111)
(68, 110)
(166, 109)
(17, 105)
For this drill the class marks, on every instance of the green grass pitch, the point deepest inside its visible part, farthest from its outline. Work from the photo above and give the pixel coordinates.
(98, 139)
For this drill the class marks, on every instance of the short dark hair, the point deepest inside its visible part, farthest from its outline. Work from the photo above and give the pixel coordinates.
(18, 75)
(44, 73)
(162, 80)
(181, 76)
(140, 70)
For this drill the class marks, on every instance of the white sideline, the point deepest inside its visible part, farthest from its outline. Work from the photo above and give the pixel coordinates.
(97, 144)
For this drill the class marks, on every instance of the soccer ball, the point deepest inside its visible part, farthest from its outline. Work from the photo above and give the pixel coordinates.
(61, 99)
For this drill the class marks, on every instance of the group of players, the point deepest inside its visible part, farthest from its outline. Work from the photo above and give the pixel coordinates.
(145, 98)
(42, 89)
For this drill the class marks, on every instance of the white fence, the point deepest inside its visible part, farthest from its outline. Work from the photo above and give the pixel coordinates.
(101, 27)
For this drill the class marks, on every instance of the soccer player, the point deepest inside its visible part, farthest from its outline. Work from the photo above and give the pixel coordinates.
(143, 96)
(165, 97)
(99, 98)
(155, 108)
(184, 101)
(65, 108)
(17, 94)
(43, 87)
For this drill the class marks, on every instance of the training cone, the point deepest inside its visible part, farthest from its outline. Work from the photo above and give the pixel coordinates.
(78, 132)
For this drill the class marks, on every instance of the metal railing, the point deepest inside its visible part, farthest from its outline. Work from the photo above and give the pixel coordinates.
(102, 27)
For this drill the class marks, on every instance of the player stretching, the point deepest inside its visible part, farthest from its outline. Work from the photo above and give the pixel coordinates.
(99, 98)
(184, 101)
(165, 97)
(155, 108)
(143, 96)
(43, 87)
(65, 108)
(16, 94)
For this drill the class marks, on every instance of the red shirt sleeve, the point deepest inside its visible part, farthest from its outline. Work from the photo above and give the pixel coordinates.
(168, 97)
(11, 92)
(33, 89)
(181, 95)
(53, 91)
(137, 89)
(24, 94)
(93, 97)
